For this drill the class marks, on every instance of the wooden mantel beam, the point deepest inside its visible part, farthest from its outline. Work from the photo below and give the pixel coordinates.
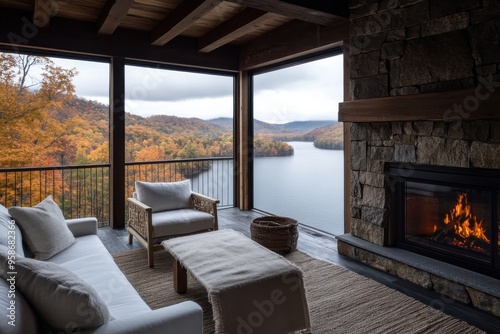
(42, 11)
(180, 19)
(233, 28)
(477, 103)
(112, 14)
(291, 10)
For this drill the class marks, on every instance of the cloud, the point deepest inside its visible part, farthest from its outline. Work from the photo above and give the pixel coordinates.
(310, 91)
(92, 79)
(205, 108)
(149, 84)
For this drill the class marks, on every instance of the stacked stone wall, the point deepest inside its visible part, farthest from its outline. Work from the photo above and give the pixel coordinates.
(409, 47)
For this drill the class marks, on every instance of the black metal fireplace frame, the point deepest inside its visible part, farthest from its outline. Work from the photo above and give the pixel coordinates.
(475, 178)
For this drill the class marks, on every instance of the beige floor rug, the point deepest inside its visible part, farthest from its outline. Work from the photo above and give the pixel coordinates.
(340, 301)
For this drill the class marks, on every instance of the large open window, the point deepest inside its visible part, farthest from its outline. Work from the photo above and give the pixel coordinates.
(298, 143)
(54, 133)
(179, 125)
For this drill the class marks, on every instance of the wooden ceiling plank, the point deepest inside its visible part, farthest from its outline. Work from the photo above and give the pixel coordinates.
(112, 14)
(180, 19)
(131, 44)
(291, 10)
(42, 11)
(292, 40)
(235, 27)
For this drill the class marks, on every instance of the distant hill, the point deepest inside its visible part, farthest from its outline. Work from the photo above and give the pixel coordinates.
(260, 127)
(328, 137)
(163, 137)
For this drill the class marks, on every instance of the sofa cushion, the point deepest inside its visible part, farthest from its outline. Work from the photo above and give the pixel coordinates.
(162, 196)
(61, 298)
(90, 260)
(44, 228)
(17, 318)
(182, 221)
(10, 234)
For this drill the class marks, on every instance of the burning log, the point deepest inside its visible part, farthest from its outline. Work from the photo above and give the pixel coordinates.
(462, 229)
(448, 229)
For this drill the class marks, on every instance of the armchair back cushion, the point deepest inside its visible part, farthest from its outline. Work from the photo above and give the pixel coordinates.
(164, 196)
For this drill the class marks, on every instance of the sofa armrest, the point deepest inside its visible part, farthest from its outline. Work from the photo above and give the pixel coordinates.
(82, 226)
(182, 318)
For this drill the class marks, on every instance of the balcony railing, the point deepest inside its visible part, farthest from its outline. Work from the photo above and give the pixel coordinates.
(83, 191)
(211, 177)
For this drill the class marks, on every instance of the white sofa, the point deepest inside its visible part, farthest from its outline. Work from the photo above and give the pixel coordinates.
(90, 260)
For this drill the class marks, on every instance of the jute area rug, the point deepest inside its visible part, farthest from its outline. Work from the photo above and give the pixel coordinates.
(340, 301)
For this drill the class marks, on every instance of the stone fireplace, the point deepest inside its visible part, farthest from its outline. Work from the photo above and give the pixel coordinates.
(425, 90)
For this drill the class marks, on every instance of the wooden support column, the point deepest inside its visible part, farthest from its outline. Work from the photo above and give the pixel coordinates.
(117, 142)
(347, 141)
(244, 143)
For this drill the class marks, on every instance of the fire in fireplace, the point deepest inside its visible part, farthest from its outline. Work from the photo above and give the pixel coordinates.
(460, 228)
(451, 214)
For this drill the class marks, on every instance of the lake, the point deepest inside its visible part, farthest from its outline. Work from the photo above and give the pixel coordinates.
(308, 186)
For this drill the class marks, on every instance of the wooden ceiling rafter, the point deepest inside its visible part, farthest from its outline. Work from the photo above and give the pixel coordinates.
(112, 14)
(291, 10)
(237, 26)
(42, 11)
(225, 35)
(180, 19)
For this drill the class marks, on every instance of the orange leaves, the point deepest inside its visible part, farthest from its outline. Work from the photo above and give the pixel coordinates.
(27, 130)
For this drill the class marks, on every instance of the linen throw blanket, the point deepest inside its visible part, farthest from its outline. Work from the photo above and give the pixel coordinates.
(251, 289)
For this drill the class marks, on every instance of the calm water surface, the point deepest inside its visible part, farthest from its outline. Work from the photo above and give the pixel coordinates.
(308, 186)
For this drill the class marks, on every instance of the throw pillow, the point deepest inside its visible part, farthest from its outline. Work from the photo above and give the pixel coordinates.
(19, 317)
(163, 196)
(10, 234)
(44, 228)
(64, 301)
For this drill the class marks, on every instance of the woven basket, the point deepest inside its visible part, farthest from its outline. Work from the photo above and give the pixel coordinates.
(278, 234)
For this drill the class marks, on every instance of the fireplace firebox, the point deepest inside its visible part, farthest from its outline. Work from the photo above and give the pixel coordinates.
(447, 213)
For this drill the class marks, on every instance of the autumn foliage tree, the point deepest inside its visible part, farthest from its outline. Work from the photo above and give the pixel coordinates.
(29, 134)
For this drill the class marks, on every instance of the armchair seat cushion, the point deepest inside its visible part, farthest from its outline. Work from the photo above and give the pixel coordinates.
(182, 221)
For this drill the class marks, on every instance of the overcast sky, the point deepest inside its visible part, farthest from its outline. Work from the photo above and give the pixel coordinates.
(311, 91)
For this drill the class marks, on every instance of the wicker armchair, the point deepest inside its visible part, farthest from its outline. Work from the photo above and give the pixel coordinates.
(151, 226)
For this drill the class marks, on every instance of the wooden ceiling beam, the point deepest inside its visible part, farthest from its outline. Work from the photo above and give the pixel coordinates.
(17, 35)
(291, 10)
(42, 10)
(181, 18)
(291, 40)
(112, 14)
(235, 27)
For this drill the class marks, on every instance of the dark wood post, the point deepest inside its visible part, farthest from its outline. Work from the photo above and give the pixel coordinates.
(244, 143)
(347, 140)
(117, 142)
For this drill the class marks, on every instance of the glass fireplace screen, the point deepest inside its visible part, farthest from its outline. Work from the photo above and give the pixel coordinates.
(450, 219)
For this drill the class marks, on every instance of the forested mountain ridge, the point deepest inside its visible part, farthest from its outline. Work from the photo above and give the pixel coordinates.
(163, 137)
(328, 137)
(324, 134)
(263, 128)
